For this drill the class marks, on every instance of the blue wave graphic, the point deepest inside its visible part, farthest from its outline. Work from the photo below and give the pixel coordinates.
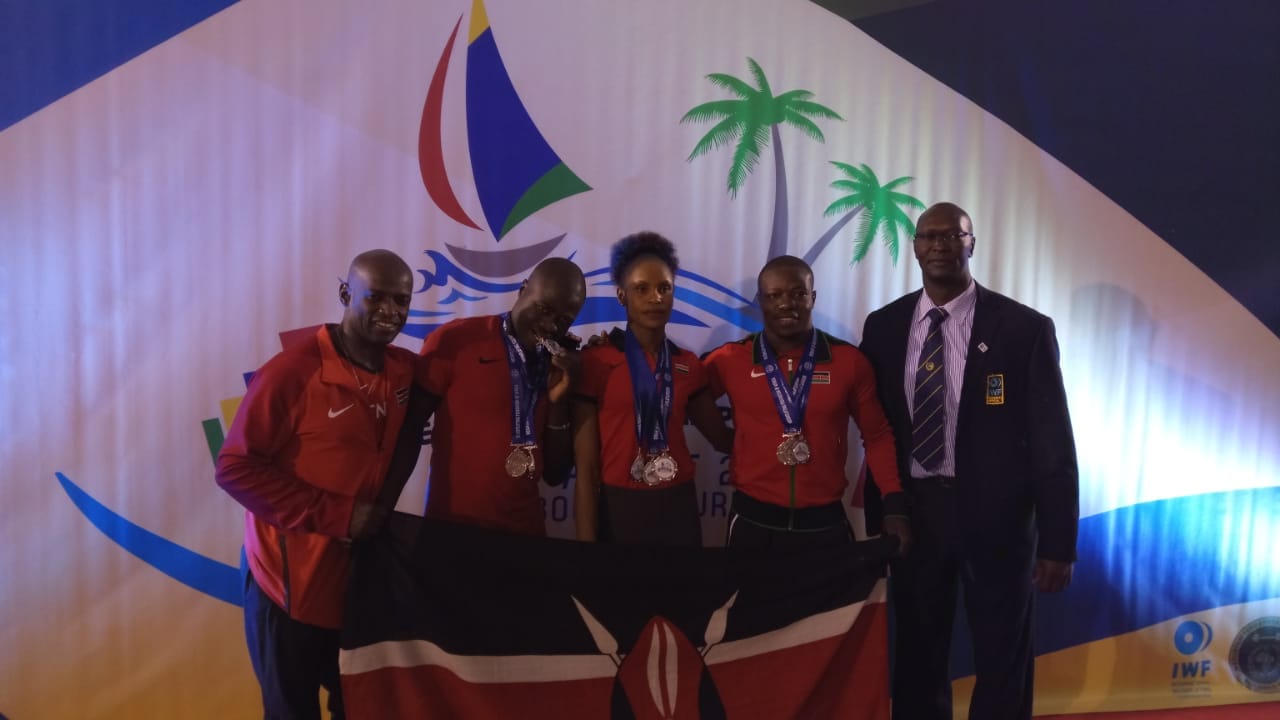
(1148, 563)
(190, 568)
(429, 313)
(737, 316)
(714, 285)
(445, 270)
(598, 309)
(419, 330)
(455, 295)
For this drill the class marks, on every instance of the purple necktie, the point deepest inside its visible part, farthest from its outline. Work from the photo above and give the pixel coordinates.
(929, 417)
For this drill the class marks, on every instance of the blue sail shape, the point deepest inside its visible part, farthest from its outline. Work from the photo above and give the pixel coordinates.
(516, 172)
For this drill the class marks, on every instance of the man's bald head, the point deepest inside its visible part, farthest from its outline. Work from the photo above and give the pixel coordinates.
(561, 271)
(382, 262)
(549, 301)
(946, 211)
(376, 296)
(943, 244)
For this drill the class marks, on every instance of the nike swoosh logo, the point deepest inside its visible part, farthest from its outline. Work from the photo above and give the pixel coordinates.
(486, 361)
(335, 413)
(755, 374)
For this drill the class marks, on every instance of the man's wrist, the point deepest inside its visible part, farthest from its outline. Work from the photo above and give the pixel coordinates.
(895, 504)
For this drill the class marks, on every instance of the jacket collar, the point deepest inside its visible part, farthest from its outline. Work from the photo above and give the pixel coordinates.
(822, 353)
(618, 339)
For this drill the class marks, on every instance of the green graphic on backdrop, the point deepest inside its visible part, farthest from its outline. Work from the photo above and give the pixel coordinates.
(881, 208)
(750, 123)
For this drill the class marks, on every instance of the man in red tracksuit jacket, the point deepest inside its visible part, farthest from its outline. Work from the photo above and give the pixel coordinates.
(790, 447)
(306, 456)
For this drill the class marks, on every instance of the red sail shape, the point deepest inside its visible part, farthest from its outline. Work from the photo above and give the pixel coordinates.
(431, 142)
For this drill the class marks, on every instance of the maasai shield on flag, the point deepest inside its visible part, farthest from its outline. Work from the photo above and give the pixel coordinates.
(445, 621)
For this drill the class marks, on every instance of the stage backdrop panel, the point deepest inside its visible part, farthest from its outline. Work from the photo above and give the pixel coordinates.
(178, 204)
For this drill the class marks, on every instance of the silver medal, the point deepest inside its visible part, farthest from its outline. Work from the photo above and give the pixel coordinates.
(800, 450)
(551, 346)
(793, 450)
(784, 452)
(660, 469)
(637, 468)
(520, 461)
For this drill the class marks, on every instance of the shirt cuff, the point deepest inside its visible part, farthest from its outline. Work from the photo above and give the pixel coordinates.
(895, 503)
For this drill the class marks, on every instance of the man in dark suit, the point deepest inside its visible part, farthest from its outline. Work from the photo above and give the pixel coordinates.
(970, 382)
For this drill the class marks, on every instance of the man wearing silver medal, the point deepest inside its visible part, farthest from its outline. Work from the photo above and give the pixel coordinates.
(794, 390)
(499, 387)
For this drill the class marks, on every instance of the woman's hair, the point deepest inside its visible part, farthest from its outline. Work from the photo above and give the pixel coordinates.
(626, 250)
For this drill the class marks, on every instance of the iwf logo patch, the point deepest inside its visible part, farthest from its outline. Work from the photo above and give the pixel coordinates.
(995, 389)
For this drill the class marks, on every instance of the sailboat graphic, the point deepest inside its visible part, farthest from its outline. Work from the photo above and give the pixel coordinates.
(516, 170)
(516, 173)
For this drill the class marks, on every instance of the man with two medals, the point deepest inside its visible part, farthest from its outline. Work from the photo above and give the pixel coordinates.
(794, 390)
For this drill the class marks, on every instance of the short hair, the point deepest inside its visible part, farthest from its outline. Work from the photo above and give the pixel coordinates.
(946, 207)
(784, 261)
(628, 249)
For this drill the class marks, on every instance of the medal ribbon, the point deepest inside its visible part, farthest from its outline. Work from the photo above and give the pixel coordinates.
(524, 386)
(653, 393)
(790, 400)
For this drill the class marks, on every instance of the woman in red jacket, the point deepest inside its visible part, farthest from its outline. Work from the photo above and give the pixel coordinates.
(635, 473)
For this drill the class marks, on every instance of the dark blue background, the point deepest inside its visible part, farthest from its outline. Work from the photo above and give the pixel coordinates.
(1170, 108)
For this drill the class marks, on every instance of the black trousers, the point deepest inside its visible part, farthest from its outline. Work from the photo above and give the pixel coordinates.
(292, 659)
(666, 517)
(758, 525)
(998, 597)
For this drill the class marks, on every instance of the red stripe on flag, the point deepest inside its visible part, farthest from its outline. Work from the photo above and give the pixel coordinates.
(846, 676)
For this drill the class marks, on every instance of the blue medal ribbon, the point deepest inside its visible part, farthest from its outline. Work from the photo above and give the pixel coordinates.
(653, 393)
(526, 383)
(790, 400)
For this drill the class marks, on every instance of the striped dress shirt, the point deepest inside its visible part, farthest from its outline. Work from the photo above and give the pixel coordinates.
(955, 348)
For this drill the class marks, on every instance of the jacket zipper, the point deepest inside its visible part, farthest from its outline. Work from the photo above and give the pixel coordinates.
(284, 562)
(791, 508)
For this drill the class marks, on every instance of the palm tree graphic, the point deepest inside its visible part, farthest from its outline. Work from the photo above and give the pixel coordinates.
(750, 121)
(881, 208)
